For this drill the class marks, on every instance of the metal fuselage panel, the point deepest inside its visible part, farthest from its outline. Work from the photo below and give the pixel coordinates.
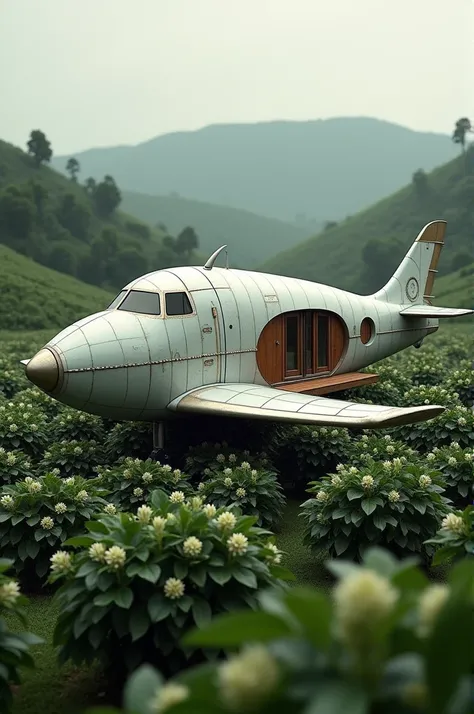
(130, 366)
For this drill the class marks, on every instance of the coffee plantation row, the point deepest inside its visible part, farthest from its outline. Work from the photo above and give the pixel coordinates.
(163, 573)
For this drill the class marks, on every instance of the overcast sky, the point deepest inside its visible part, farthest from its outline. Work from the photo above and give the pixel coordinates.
(105, 72)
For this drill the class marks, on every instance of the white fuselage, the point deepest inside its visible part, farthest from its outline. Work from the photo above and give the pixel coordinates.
(130, 366)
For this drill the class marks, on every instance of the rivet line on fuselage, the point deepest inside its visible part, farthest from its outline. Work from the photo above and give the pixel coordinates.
(157, 362)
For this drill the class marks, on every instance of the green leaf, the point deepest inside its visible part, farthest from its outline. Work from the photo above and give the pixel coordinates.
(449, 651)
(180, 569)
(353, 493)
(139, 623)
(335, 697)
(124, 598)
(32, 548)
(96, 527)
(369, 505)
(150, 572)
(313, 609)
(80, 541)
(341, 544)
(202, 612)
(382, 561)
(221, 576)
(158, 608)
(141, 688)
(379, 522)
(246, 577)
(234, 629)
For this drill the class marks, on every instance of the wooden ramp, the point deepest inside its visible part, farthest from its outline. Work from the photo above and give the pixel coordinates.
(326, 385)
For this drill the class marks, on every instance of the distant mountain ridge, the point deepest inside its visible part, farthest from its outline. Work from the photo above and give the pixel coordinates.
(361, 253)
(321, 169)
(250, 238)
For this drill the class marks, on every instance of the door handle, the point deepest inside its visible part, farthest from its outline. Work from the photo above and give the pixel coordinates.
(277, 343)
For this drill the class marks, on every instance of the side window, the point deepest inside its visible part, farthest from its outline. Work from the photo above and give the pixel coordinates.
(177, 304)
(116, 301)
(143, 302)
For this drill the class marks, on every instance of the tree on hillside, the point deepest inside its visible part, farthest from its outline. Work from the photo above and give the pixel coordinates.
(17, 213)
(39, 147)
(73, 167)
(39, 195)
(106, 196)
(89, 186)
(463, 126)
(138, 229)
(420, 182)
(73, 216)
(186, 241)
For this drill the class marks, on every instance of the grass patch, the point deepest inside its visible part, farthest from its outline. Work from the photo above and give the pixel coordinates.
(307, 567)
(49, 688)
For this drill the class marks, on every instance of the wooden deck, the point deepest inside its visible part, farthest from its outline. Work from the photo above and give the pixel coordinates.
(326, 385)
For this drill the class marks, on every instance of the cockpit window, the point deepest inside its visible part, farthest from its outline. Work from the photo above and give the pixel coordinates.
(116, 301)
(178, 304)
(143, 302)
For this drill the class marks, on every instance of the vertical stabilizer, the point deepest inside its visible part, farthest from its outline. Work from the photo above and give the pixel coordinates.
(412, 283)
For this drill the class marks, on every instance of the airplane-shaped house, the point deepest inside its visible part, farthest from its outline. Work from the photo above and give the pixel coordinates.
(234, 342)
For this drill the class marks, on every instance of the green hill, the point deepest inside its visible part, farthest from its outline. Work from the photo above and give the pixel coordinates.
(456, 289)
(318, 170)
(362, 252)
(77, 229)
(251, 238)
(35, 298)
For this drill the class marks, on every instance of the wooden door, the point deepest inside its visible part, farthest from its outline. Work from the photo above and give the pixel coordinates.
(270, 351)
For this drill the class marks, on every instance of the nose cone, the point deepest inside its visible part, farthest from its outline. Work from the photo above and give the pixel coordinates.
(43, 370)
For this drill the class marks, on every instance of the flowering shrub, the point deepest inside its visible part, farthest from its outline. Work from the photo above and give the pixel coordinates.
(129, 438)
(72, 424)
(22, 426)
(391, 504)
(456, 424)
(14, 646)
(427, 367)
(37, 515)
(379, 448)
(39, 400)
(206, 459)
(422, 394)
(11, 379)
(461, 381)
(304, 452)
(71, 458)
(254, 492)
(456, 536)
(139, 582)
(384, 640)
(457, 467)
(14, 466)
(392, 383)
(131, 482)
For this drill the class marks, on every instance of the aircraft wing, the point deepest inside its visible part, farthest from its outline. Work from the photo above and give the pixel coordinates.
(263, 402)
(431, 311)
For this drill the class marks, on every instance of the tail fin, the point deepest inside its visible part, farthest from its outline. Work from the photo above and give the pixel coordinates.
(412, 283)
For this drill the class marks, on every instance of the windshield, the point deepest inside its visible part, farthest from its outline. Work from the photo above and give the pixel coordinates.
(143, 302)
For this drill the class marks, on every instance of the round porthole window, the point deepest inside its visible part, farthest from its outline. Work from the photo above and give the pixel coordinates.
(367, 331)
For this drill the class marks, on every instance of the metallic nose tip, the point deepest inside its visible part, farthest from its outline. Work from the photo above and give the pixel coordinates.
(43, 370)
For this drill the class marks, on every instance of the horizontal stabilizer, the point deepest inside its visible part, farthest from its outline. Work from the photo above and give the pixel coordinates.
(265, 402)
(431, 311)
(24, 362)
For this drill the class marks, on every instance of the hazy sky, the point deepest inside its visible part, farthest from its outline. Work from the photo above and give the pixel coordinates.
(106, 72)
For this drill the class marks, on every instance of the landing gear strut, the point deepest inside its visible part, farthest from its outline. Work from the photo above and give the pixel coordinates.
(158, 453)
